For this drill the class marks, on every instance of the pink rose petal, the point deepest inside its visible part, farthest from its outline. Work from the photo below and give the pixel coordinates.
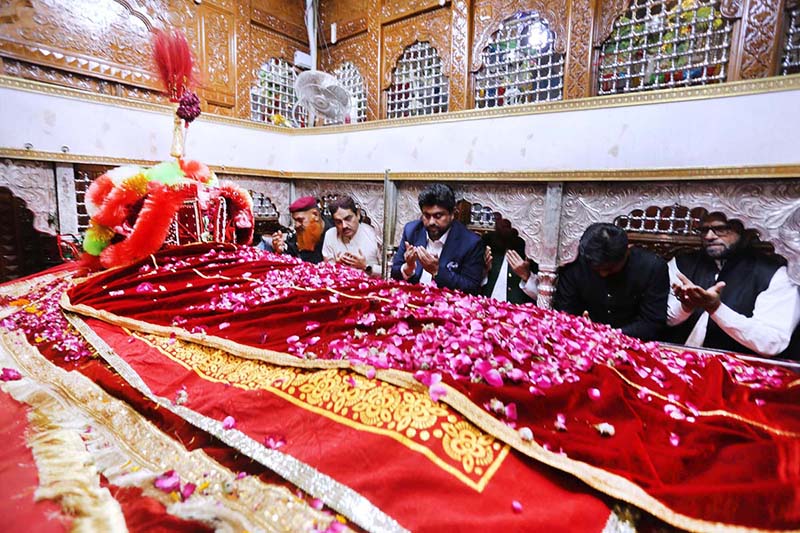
(187, 490)
(516, 506)
(169, 481)
(594, 393)
(10, 374)
(674, 439)
(228, 422)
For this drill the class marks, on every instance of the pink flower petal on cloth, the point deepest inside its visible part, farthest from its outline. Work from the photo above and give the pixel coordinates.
(516, 506)
(317, 504)
(187, 490)
(370, 373)
(511, 411)
(169, 481)
(674, 439)
(228, 422)
(274, 442)
(437, 391)
(224, 325)
(594, 393)
(10, 374)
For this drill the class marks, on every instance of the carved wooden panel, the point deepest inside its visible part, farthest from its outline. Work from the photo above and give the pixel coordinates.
(356, 51)
(369, 195)
(102, 38)
(459, 56)
(35, 183)
(372, 53)
(218, 59)
(267, 44)
(432, 27)
(350, 17)
(608, 11)
(578, 77)
(244, 58)
(395, 9)
(489, 14)
(283, 16)
(761, 39)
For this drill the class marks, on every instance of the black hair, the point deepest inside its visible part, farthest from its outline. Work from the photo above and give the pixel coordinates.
(438, 194)
(603, 244)
(342, 202)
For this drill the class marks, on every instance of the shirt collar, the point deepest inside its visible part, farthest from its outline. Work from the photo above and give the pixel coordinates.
(441, 240)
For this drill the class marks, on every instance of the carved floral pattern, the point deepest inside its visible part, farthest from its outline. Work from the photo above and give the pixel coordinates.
(218, 60)
(245, 66)
(105, 38)
(432, 27)
(608, 12)
(395, 9)
(459, 61)
(35, 183)
(276, 190)
(372, 78)
(489, 14)
(577, 79)
(760, 39)
(369, 195)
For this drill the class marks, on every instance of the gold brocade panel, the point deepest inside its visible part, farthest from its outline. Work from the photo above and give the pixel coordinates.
(411, 418)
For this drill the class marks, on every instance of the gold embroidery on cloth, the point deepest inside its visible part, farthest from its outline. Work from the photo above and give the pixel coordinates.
(409, 417)
(130, 451)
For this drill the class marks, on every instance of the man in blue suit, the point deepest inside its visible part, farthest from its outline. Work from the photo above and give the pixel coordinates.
(437, 248)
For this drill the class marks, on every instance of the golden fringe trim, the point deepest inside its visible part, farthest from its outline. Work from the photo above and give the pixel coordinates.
(334, 494)
(605, 482)
(66, 470)
(87, 431)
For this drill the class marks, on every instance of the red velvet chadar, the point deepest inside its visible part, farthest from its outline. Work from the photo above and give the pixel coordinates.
(696, 439)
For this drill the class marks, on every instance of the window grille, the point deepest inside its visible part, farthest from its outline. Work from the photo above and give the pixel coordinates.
(418, 85)
(519, 64)
(350, 78)
(273, 99)
(791, 51)
(653, 46)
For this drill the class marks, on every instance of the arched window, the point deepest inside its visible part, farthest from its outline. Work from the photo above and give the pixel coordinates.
(790, 64)
(350, 78)
(519, 64)
(272, 99)
(655, 46)
(418, 85)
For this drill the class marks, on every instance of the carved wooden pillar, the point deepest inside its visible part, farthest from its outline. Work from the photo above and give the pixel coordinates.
(759, 37)
(461, 22)
(550, 239)
(578, 65)
(372, 78)
(244, 59)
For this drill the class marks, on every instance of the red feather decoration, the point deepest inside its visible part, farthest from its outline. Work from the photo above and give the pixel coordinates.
(174, 62)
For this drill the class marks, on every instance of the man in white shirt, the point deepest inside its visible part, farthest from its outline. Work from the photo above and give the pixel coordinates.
(729, 296)
(350, 242)
(438, 249)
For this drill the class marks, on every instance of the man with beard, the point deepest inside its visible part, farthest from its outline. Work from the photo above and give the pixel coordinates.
(615, 284)
(309, 227)
(350, 242)
(729, 296)
(437, 248)
(510, 276)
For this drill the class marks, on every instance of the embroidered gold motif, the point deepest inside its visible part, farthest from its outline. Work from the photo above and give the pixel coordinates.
(409, 417)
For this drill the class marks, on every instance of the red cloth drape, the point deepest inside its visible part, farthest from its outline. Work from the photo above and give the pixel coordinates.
(711, 438)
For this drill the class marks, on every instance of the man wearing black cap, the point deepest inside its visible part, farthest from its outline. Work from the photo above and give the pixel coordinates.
(614, 284)
(310, 227)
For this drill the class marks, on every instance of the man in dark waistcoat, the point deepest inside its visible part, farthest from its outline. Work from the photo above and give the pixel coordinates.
(730, 296)
(510, 277)
(615, 284)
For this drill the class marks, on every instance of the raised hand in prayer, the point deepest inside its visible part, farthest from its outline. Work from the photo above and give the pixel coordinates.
(411, 257)
(357, 260)
(429, 261)
(279, 242)
(487, 261)
(692, 296)
(520, 266)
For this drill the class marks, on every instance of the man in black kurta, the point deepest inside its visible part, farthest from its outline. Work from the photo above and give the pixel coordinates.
(623, 287)
(505, 255)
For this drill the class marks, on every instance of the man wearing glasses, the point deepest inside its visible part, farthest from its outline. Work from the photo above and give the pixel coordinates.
(729, 296)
